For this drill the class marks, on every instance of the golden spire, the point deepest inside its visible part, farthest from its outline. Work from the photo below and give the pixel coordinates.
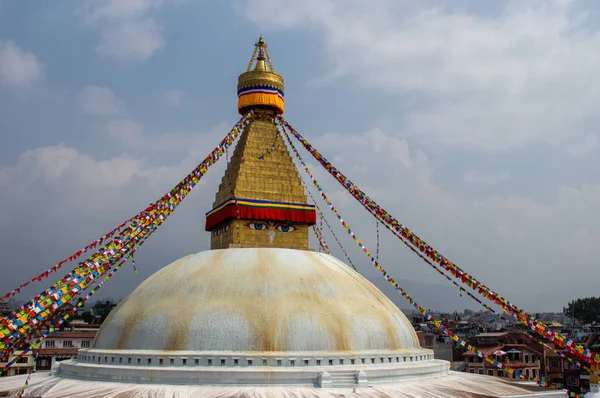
(260, 88)
(261, 200)
(263, 55)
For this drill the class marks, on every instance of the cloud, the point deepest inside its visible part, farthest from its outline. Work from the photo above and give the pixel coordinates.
(96, 11)
(132, 40)
(505, 77)
(99, 101)
(128, 31)
(69, 198)
(174, 98)
(479, 177)
(17, 67)
(58, 198)
(507, 240)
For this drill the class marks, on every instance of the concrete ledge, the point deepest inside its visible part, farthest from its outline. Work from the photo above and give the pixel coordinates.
(291, 369)
(250, 359)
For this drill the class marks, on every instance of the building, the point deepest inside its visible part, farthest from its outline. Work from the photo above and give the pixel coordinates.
(576, 379)
(21, 367)
(63, 345)
(442, 348)
(4, 308)
(566, 373)
(57, 347)
(554, 369)
(522, 353)
(260, 314)
(512, 349)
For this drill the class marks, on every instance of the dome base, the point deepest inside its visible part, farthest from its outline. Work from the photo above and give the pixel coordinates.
(320, 369)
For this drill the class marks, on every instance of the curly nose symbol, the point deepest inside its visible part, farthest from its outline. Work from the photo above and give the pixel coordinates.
(271, 236)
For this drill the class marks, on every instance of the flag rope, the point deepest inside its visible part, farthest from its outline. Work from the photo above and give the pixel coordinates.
(577, 350)
(404, 294)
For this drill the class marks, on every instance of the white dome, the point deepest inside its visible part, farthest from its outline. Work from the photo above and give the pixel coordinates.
(257, 300)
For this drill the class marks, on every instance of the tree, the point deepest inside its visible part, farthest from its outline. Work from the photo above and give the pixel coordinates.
(87, 316)
(584, 310)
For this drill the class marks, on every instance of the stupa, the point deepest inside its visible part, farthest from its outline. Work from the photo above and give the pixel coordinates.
(260, 314)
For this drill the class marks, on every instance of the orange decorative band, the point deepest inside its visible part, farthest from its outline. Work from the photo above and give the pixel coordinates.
(265, 96)
(252, 209)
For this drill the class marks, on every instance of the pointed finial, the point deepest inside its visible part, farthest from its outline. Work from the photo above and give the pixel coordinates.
(261, 84)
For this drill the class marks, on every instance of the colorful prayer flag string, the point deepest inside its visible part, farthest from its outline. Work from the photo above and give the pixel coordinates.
(32, 315)
(322, 218)
(26, 384)
(574, 349)
(133, 263)
(72, 257)
(322, 244)
(420, 309)
(63, 319)
(499, 315)
(271, 149)
(377, 230)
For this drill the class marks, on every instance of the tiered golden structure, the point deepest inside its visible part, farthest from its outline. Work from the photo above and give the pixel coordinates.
(261, 200)
(260, 88)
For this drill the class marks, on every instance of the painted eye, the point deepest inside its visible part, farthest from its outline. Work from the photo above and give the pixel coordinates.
(217, 232)
(285, 228)
(257, 226)
(226, 228)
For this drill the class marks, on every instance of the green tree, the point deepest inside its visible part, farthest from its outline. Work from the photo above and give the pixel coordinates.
(584, 310)
(87, 316)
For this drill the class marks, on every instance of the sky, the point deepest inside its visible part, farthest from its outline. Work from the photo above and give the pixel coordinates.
(473, 123)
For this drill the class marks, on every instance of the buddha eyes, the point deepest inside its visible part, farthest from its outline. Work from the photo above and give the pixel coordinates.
(285, 228)
(259, 226)
(221, 230)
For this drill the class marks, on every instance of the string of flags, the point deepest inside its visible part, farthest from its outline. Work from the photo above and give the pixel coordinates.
(72, 257)
(29, 317)
(484, 305)
(377, 233)
(26, 384)
(322, 244)
(535, 325)
(320, 213)
(439, 325)
(271, 149)
(122, 242)
(37, 343)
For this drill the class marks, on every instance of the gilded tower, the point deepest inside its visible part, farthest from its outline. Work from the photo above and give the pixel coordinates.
(261, 200)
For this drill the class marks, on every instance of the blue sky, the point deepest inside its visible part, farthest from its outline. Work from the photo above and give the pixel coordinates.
(475, 125)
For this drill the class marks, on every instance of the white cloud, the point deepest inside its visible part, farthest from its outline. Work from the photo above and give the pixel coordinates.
(135, 40)
(17, 67)
(98, 10)
(99, 101)
(128, 32)
(174, 98)
(519, 75)
(479, 177)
